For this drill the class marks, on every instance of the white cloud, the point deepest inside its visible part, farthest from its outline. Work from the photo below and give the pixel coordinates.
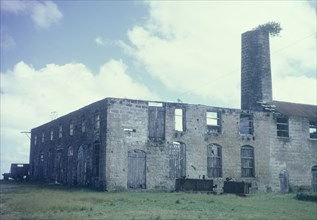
(43, 13)
(198, 49)
(28, 96)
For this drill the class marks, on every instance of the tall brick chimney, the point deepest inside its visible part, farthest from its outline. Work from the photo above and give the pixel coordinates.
(256, 82)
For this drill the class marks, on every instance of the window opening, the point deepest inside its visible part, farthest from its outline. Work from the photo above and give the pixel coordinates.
(52, 134)
(177, 160)
(60, 131)
(43, 137)
(314, 178)
(71, 128)
(282, 127)
(70, 151)
(213, 120)
(156, 123)
(246, 124)
(313, 129)
(42, 157)
(83, 126)
(96, 159)
(179, 119)
(247, 161)
(214, 161)
(97, 121)
(35, 139)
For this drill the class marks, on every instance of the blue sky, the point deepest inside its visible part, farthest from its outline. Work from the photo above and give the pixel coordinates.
(62, 55)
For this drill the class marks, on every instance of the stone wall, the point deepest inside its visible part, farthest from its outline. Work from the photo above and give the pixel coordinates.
(296, 154)
(133, 116)
(56, 160)
(124, 128)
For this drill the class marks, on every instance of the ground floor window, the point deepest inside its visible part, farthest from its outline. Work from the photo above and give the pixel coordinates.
(177, 160)
(247, 161)
(214, 161)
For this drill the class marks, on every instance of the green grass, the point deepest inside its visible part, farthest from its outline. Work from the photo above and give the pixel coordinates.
(55, 202)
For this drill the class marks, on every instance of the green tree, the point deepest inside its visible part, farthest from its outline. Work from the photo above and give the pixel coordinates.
(273, 28)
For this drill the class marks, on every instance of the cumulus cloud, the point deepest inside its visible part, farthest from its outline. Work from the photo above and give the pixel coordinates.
(29, 95)
(198, 49)
(43, 13)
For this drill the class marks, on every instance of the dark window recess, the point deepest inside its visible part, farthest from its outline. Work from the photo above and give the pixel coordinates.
(246, 124)
(96, 159)
(313, 129)
(282, 127)
(156, 123)
(214, 164)
(247, 161)
(213, 120)
(177, 160)
(314, 178)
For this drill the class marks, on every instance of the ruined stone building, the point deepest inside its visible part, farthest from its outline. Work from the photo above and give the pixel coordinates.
(136, 144)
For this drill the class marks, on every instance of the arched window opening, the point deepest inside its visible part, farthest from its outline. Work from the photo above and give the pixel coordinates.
(214, 160)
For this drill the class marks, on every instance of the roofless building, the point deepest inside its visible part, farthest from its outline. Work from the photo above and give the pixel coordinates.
(137, 144)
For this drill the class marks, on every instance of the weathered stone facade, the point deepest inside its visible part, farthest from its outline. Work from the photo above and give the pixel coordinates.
(117, 143)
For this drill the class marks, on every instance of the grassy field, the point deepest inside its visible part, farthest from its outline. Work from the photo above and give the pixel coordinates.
(56, 202)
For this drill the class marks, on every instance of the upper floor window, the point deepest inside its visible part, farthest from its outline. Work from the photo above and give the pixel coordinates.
(313, 129)
(43, 137)
(60, 131)
(246, 124)
(97, 121)
(214, 161)
(213, 119)
(71, 128)
(247, 161)
(156, 123)
(83, 126)
(35, 139)
(179, 119)
(52, 135)
(282, 127)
